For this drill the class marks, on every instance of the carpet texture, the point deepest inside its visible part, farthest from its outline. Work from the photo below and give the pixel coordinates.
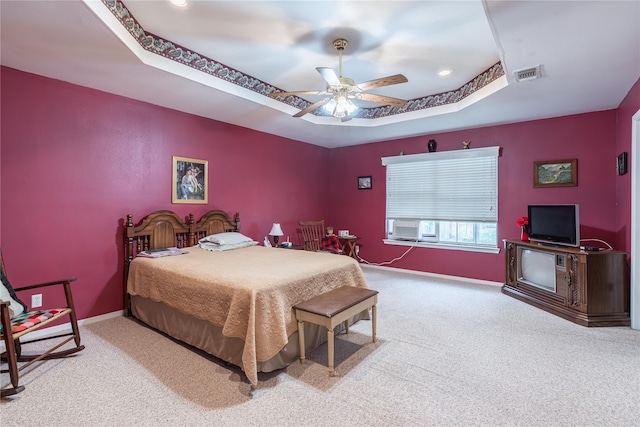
(448, 354)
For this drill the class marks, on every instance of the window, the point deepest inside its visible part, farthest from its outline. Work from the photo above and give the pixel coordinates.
(446, 199)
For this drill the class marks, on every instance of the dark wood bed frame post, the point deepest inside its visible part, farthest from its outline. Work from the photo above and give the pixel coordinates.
(192, 230)
(236, 220)
(129, 257)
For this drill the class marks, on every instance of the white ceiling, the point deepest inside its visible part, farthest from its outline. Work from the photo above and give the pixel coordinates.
(589, 52)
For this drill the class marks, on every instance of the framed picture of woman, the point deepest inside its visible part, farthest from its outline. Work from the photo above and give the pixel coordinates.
(190, 180)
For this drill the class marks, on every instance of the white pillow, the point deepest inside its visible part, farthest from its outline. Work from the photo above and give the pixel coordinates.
(228, 238)
(8, 294)
(226, 247)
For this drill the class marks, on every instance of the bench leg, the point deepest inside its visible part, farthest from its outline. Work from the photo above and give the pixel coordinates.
(373, 322)
(346, 326)
(330, 346)
(301, 340)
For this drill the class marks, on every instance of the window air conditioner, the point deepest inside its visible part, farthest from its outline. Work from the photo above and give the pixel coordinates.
(406, 230)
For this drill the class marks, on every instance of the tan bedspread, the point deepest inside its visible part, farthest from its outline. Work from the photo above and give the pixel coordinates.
(248, 292)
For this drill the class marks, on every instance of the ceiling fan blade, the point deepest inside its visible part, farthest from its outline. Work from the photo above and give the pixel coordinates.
(312, 107)
(384, 81)
(300, 92)
(380, 99)
(329, 76)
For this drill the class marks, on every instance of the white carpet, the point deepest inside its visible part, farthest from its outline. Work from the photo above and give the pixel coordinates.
(448, 353)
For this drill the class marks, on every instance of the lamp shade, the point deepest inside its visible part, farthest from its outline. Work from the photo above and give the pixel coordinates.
(340, 106)
(276, 230)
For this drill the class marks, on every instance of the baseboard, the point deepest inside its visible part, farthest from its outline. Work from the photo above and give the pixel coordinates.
(54, 330)
(434, 275)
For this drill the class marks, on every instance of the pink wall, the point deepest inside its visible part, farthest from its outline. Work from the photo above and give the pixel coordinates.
(76, 161)
(588, 137)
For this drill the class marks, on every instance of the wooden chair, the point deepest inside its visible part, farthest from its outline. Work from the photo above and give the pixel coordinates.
(23, 323)
(312, 234)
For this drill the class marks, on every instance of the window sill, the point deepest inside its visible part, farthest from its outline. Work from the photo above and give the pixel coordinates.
(483, 249)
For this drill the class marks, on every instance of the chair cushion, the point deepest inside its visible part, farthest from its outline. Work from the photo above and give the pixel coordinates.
(7, 293)
(28, 320)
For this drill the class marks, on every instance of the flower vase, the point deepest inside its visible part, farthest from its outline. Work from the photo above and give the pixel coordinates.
(524, 233)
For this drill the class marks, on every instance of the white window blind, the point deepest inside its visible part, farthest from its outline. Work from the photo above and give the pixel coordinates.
(448, 186)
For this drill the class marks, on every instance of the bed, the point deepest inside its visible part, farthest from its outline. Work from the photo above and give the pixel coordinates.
(234, 304)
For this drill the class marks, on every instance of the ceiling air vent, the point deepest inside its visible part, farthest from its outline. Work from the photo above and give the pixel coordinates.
(528, 74)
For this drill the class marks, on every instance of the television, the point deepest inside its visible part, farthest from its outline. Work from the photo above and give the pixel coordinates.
(554, 224)
(538, 268)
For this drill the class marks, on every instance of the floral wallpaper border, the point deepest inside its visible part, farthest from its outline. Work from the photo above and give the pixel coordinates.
(172, 51)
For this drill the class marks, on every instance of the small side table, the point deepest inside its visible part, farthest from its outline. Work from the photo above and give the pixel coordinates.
(348, 246)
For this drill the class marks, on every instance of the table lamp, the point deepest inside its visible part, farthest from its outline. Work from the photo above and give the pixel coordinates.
(276, 232)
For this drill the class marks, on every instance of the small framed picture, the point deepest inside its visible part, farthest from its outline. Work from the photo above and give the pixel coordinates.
(622, 163)
(555, 173)
(190, 180)
(364, 183)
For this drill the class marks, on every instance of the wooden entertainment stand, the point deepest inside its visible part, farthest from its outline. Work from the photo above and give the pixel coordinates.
(591, 288)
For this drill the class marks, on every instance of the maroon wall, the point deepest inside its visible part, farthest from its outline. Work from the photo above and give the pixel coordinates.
(629, 106)
(76, 161)
(588, 137)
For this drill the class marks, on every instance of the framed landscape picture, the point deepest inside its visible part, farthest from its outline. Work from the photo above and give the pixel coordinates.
(190, 180)
(555, 173)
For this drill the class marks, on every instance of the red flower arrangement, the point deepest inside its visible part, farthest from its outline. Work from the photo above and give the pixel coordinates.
(522, 221)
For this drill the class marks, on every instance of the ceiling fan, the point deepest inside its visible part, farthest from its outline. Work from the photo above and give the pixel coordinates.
(341, 90)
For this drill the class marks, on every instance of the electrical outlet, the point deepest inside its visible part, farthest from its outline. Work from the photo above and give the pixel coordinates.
(357, 250)
(36, 300)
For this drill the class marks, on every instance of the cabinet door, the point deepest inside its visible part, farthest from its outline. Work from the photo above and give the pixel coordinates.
(510, 264)
(576, 281)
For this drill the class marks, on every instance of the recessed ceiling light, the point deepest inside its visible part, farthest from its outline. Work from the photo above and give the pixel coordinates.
(179, 3)
(444, 73)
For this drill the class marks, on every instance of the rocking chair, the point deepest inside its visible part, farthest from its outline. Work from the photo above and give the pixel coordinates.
(312, 234)
(17, 322)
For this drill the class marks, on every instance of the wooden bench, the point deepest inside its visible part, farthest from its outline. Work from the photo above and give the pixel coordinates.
(331, 309)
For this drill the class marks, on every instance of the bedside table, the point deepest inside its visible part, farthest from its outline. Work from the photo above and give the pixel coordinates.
(294, 247)
(348, 246)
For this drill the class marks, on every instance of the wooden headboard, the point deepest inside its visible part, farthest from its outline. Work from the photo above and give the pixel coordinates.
(165, 229)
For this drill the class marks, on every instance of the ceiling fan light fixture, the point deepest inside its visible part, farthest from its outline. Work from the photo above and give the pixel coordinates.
(351, 107)
(339, 113)
(340, 107)
(342, 103)
(330, 106)
(341, 90)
